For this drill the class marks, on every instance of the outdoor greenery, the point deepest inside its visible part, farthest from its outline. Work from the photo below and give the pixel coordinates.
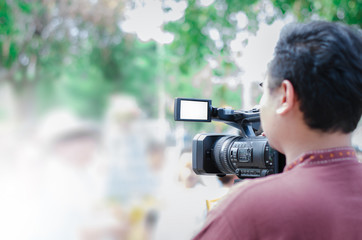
(74, 54)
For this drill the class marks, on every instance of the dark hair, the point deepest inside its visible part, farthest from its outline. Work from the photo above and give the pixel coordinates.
(323, 61)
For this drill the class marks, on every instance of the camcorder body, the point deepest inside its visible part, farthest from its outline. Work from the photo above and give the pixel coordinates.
(247, 155)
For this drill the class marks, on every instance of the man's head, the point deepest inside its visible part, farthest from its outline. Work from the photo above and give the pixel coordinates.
(323, 61)
(319, 65)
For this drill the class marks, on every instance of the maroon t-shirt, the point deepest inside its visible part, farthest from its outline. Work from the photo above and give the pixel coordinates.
(319, 196)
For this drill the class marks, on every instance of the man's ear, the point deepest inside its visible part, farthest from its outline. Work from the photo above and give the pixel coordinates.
(287, 98)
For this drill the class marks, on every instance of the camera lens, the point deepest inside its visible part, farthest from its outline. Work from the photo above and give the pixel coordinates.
(221, 153)
(232, 152)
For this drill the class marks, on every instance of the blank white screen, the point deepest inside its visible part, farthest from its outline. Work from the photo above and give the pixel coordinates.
(193, 110)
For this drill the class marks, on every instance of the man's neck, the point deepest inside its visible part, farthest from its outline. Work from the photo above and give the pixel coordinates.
(312, 140)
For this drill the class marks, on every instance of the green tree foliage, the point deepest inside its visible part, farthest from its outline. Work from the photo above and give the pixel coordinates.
(192, 32)
(130, 66)
(202, 35)
(193, 41)
(63, 52)
(73, 53)
(196, 45)
(349, 12)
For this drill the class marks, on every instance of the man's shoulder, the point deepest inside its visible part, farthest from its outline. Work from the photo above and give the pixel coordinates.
(260, 185)
(247, 192)
(245, 203)
(287, 198)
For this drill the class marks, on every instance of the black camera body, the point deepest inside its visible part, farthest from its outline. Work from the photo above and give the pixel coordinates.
(247, 155)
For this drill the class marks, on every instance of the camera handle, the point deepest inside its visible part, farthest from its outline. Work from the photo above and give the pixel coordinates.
(248, 122)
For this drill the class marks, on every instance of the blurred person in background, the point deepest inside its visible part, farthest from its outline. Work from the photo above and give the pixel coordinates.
(126, 142)
(312, 103)
(135, 148)
(74, 202)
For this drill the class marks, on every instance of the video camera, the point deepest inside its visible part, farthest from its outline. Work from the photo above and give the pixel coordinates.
(247, 155)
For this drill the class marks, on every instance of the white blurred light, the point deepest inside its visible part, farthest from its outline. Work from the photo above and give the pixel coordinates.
(259, 51)
(236, 44)
(74, 31)
(147, 18)
(206, 3)
(242, 20)
(214, 34)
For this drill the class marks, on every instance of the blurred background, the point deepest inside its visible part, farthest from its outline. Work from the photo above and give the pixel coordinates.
(88, 145)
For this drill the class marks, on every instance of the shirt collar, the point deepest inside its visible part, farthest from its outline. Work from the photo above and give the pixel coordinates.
(324, 156)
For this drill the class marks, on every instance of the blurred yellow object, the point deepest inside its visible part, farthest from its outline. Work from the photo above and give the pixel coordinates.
(210, 204)
(137, 214)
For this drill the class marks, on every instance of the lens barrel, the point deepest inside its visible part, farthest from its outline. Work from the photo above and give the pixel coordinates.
(246, 157)
(231, 153)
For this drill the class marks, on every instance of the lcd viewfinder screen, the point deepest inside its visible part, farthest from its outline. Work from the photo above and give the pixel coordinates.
(194, 110)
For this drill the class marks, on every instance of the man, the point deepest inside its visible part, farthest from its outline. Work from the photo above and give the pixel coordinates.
(312, 102)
